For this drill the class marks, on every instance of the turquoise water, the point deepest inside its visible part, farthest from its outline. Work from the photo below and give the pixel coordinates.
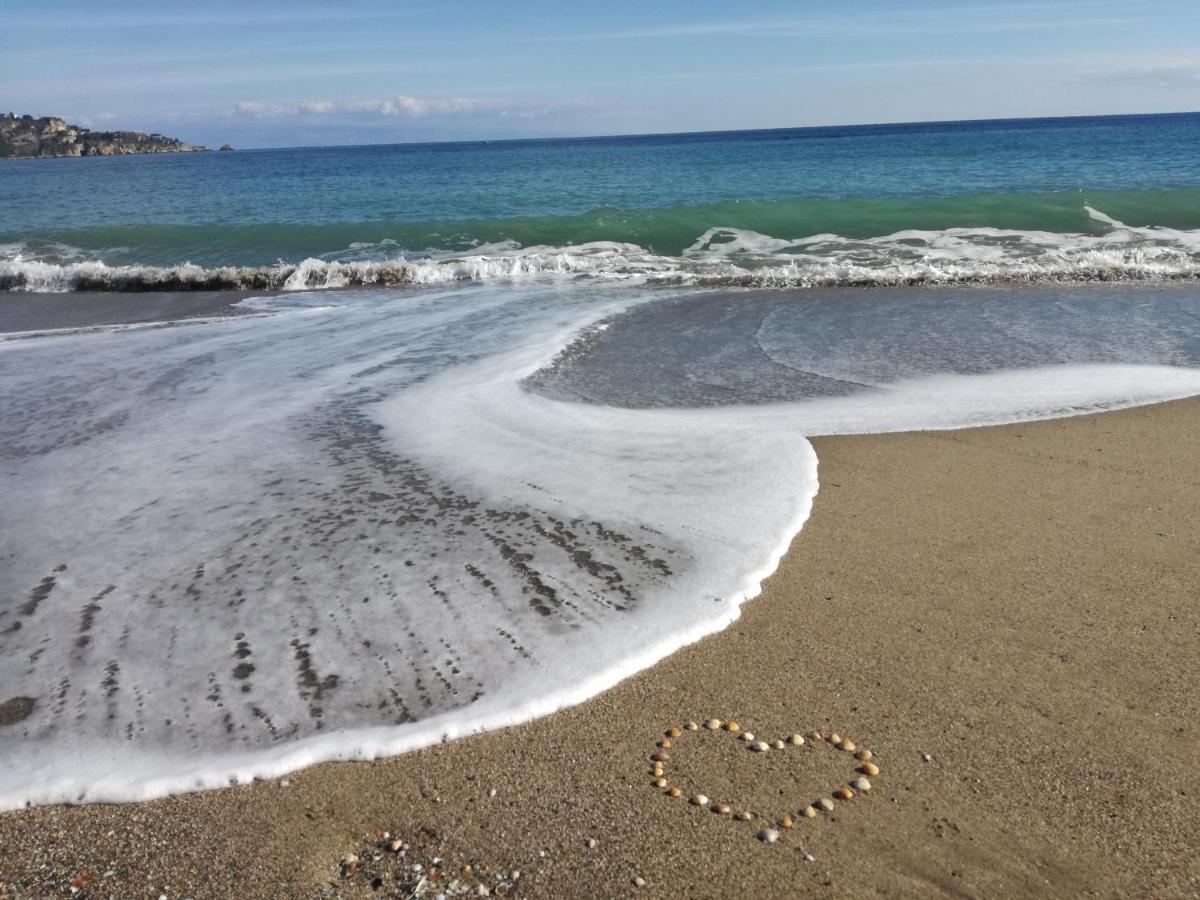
(658, 196)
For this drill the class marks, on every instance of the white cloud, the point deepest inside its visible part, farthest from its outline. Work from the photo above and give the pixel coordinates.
(1169, 74)
(399, 107)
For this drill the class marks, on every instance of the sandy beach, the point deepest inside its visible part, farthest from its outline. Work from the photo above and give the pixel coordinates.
(1006, 617)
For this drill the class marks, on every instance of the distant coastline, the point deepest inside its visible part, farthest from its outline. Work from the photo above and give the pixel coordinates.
(47, 137)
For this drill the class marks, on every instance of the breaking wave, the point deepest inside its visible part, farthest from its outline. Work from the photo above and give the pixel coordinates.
(1109, 250)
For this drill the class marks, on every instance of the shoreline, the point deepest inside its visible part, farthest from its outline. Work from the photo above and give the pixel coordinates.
(22, 311)
(1032, 639)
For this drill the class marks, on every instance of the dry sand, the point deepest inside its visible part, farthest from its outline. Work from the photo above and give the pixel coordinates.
(1019, 603)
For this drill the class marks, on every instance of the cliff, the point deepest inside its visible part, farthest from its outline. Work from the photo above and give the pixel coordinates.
(25, 137)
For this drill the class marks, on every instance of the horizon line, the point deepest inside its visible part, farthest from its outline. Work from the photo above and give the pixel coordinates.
(777, 128)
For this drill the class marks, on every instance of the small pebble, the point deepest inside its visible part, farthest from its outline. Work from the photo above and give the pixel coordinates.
(658, 770)
(483, 891)
(674, 731)
(808, 857)
(699, 800)
(835, 739)
(768, 836)
(864, 755)
(809, 813)
(675, 792)
(639, 881)
(692, 726)
(778, 744)
(759, 746)
(746, 736)
(515, 874)
(926, 757)
(721, 809)
(826, 804)
(592, 843)
(491, 792)
(861, 784)
(665, 743)
(744, 816)
(869, 769)
(849, 746)
(712, 724)
(814, 736)
(843, 793)
(396, 846)
(660, 782)
(787, 822)
(732, 726)
(796, 739)
(660, 757)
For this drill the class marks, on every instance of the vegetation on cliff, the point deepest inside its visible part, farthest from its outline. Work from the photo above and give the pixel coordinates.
(26, 137)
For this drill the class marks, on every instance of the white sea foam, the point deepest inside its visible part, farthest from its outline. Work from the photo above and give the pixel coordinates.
(349, 529)
(720, 256)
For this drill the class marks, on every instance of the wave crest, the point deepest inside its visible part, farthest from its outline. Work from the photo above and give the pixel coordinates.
(720, 256)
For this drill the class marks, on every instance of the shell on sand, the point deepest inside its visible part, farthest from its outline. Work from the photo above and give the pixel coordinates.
(869, 769)
(732, 726)
(826, 804)
(768, 835)
(787, 822)
(712, 724)
(674, 731)
(659, 757)
(864, 754)
(721, 809)
(843, 793)
(675, 792)
(660, 782)
(746, 736)
(809, 812)
(848, 745)
(778, 744)
(665, 743)
(814, 735)
(699, 800)
(759, 746)
(835, 739)
(743, 816)
(796, 739)
(692, 726)
(861, 784)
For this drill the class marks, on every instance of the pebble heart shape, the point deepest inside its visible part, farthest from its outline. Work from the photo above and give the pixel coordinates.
(865, 766)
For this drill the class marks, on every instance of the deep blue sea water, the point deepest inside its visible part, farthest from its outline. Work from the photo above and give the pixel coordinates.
(675, 198)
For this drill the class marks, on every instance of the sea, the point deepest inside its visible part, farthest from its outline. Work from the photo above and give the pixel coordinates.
(490, 426)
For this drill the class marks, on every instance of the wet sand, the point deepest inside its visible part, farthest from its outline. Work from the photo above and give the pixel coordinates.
(22, 311)
(1007, 617)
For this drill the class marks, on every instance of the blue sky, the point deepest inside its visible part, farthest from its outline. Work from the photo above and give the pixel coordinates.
(294, 73)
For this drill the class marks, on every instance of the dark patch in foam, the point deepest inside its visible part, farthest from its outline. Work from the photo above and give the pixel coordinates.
(37, 595)
(87, 617)
(16, 709)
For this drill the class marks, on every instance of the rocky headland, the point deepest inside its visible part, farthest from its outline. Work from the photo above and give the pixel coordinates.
(26, 137)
